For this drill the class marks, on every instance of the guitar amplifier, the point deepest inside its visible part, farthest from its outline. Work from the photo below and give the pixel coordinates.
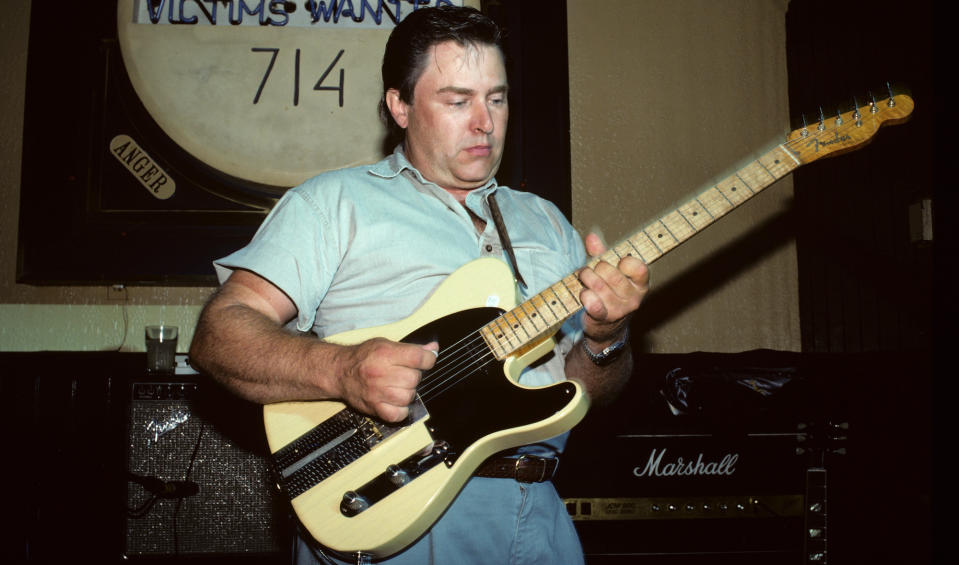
(198, 480)
(662, 477)
(688, 494)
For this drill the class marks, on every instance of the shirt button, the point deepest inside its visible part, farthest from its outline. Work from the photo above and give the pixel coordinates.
(489, 248)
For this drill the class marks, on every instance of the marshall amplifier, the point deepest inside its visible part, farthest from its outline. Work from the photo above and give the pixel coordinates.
(701, 466)
(654, 494)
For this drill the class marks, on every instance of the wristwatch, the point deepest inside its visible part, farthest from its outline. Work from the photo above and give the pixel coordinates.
(610, 352)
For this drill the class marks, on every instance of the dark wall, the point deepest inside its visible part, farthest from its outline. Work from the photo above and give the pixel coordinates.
(864, 285)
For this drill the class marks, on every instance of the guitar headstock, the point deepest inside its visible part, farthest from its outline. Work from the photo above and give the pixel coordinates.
(842, 132)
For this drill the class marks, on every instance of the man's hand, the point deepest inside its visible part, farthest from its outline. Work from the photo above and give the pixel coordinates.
(611, 293)
(379, 376)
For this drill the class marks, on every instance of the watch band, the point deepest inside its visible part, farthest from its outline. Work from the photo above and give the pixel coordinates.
(610, 352)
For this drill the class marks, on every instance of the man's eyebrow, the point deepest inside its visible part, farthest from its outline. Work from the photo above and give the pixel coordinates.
(469, 91)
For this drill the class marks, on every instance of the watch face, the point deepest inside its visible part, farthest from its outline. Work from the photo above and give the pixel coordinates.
(264, 91)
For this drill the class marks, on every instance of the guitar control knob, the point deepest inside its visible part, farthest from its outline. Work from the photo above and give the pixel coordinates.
(397, 476)
(353, 503)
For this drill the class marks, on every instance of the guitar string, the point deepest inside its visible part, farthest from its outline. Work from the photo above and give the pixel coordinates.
(469, 367)
(454, 367)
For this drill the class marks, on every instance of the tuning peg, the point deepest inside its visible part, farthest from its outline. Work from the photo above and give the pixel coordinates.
(838, 118)
(892, 101)
(872, 104)
(805, 128)
(856, 115)
(822, 120)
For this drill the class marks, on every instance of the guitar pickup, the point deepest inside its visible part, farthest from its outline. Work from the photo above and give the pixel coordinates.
(393, 478)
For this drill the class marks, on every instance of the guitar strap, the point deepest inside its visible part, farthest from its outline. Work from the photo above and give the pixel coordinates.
(504, 236)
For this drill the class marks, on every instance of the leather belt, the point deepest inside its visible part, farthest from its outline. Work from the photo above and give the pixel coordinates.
(525, 468)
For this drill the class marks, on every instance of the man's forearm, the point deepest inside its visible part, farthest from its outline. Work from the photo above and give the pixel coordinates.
(259, 360)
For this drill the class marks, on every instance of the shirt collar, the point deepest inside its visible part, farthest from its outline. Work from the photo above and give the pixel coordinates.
(397, 163)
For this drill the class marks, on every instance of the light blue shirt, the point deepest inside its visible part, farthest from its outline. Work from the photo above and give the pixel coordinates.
(366, 246)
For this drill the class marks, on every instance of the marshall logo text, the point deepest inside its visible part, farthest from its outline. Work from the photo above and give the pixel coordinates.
(681, 467)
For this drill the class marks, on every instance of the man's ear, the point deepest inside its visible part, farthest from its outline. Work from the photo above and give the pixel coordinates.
(398, 109)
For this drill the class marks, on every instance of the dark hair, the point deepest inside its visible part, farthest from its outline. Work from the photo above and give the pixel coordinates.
(408, 48)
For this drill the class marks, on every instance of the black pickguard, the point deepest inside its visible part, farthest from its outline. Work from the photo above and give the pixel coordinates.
(485, 401)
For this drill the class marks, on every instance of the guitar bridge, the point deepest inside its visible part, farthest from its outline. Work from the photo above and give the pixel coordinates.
(332, 445)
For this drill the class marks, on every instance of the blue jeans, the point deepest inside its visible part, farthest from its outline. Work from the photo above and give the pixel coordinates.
(491, 522)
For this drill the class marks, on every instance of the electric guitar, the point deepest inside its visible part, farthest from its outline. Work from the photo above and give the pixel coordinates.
(361, 486)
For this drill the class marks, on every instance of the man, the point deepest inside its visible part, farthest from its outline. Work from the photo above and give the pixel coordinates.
(366, 246)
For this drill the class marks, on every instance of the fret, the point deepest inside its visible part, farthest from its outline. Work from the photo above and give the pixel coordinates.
(698, 201)
(646, 246)
(739, 175)
(626, 249)
(652, 239)
(758, 175)
(542, 309)
(518, 325)
(661, 237)
(639, 253)
(734, 191)
(715, 202)
(492, 337)
(503, 335)
(568, 290)
(685, 219)
(556, 300)
(533, 316)
(695, 214)
(611, 256)
(779, 162)
(770, 173)
(678, 226)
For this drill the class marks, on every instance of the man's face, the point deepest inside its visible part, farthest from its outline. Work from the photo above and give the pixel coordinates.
(456, 125)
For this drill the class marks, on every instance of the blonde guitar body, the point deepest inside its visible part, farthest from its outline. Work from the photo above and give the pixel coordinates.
(361, 486)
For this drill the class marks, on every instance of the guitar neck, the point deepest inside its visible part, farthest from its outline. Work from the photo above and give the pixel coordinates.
(526, 324)
(529, 321)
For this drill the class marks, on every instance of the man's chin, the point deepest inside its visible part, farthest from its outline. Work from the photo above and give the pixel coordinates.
(475, 177)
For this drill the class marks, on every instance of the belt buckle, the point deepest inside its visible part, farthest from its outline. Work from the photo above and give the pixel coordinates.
(524, 457)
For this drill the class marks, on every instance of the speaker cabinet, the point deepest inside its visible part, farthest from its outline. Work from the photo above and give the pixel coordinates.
(198, 480)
